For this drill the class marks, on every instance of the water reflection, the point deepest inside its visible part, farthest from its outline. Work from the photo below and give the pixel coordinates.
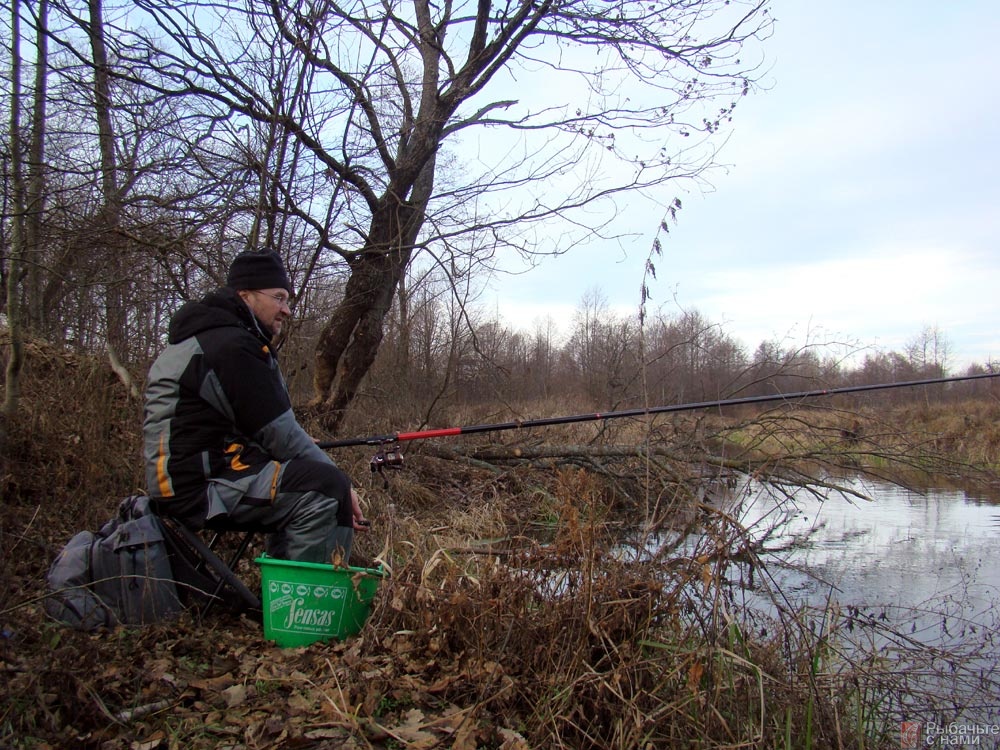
(900, 548)
(920, 570)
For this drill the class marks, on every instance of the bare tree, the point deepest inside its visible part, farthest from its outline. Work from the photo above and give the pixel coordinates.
(17, 239)
(134, 207)
(603, 347)
(36, 190)
(27, 183)
(542, 358)
(110, 212)
(385, 87)
(928, 352)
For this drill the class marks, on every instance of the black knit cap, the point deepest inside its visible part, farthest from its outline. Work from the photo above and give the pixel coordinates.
(258, 270)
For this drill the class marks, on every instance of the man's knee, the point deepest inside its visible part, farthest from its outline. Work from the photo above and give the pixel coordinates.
(312, 531)
(305, 475)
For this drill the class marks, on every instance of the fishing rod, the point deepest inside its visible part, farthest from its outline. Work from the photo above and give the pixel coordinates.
(393, 458)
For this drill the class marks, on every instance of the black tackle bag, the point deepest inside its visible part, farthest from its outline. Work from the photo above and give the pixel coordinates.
(120, 575)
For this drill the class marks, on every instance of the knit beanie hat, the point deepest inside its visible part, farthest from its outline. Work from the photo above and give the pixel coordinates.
(258, 270)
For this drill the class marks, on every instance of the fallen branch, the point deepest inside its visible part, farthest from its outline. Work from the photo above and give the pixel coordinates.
(122, 372)
(484, 456)
(132, 714)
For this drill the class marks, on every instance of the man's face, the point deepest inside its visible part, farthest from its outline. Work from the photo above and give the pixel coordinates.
(270, 306)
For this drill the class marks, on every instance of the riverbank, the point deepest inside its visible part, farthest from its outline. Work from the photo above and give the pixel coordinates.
(510, 618)
(509, 644)
(955, 441)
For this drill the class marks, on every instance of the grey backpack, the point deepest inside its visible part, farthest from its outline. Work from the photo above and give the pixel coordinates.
(120, 575)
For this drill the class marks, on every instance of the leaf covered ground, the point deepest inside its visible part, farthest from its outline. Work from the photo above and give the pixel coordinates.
(508, 618)
(482, 636)
(201, 685)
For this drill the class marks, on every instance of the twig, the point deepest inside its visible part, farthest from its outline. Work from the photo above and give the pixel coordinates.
(129, 715)
(22, 536)
(100, 702)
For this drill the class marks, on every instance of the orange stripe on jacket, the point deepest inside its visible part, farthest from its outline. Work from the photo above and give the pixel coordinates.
(235, 464)
(162, 478)
(274, 481)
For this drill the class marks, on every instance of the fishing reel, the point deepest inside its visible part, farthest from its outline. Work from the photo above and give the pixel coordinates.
(389, 456)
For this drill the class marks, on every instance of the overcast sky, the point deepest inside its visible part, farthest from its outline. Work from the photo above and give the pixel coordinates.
(861, 201)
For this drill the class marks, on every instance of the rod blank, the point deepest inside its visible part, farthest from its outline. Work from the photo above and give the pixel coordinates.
(596, 416)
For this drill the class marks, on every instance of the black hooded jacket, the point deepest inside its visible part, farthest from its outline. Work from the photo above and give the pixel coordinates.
(216, 402)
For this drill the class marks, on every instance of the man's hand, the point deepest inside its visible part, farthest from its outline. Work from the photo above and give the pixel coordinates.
(360, 522)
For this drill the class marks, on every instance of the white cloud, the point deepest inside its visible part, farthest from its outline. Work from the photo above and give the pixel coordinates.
(884, 297)
(861, 201)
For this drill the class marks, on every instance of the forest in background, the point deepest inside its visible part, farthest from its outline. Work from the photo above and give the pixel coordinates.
(151, 142)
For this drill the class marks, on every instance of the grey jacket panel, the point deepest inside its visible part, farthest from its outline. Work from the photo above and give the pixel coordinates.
(162, 398)
(285, 439)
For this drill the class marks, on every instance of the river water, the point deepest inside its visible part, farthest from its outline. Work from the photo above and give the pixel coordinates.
(913, 578)
(900, 547)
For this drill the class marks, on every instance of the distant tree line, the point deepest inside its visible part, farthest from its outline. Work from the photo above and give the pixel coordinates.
(438, 356)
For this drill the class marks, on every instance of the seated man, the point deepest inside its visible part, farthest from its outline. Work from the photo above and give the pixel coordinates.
(223, 448)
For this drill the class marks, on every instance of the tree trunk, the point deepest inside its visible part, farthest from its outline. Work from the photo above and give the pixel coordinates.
(405, 324)
(350, 340)
(35, 198)
(110, 217)
(12, 382)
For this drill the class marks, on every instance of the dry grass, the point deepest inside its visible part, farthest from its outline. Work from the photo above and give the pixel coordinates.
(907, 444)
(518, 612)
(571, 644)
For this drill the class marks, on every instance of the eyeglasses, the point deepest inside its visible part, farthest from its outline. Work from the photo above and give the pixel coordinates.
(281, 299)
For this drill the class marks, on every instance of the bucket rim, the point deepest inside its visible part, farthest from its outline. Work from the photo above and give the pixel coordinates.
(264, 559)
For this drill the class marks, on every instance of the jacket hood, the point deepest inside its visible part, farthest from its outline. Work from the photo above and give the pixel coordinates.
(218, 309)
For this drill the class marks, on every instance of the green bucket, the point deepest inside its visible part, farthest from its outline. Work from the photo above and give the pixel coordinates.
(308, 602)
